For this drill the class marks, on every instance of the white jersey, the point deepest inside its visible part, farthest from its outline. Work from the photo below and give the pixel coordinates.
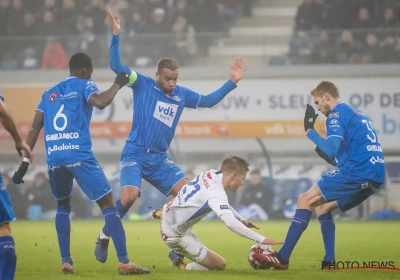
(194, 201)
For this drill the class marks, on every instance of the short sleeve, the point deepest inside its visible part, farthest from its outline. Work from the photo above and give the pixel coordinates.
(90, 88)
(335, 125)
(40, 107)
(218, 202)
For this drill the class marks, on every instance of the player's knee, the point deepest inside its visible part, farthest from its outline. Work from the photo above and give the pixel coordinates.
(129, 195)
(303, 201)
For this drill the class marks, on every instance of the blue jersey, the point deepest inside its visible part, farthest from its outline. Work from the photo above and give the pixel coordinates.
(156, 115)
(360, 153)
(67, 115)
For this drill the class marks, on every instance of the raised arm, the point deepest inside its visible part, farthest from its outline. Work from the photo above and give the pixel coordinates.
(237, 70)
(115, 58)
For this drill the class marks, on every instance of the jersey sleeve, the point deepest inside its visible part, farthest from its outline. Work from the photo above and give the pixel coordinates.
(90, 88)
(335, 125)
(40, 107)
(192, 98)
(218, 201)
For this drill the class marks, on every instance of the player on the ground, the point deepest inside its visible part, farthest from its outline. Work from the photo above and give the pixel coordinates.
(8, 258)
(65, 112)
(353, 146)
(205, 193)
(158, 105)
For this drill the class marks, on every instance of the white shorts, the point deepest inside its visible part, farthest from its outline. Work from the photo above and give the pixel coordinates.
(186, 244)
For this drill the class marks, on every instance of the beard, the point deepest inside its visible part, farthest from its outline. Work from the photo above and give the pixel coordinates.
(327, 110)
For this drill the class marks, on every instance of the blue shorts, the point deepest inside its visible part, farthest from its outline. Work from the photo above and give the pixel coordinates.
(156, 168)
(348, 192)
(6, 209)
(88, 174)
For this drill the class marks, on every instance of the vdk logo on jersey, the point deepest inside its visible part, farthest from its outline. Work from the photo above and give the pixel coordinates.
(165, 112)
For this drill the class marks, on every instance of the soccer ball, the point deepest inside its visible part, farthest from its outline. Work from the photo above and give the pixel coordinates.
(259, 249)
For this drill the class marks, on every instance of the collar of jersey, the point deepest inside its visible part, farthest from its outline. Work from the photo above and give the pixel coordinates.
(174, 92)
(337, 104)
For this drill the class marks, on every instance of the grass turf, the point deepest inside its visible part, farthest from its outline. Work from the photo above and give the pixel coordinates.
(38, 255)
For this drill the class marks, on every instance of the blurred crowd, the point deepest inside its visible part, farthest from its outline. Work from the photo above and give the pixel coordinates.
(44, 33)
(346, 31)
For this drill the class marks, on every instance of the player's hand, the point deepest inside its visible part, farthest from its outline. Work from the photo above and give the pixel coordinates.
(324, 156)
(23, 147)
(114, 23)
(268, 241)
(20, 173)
(309, 117)
(237, 69)
(249, 224)
(122, 79)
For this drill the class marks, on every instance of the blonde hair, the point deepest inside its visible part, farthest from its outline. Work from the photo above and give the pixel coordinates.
(234, 164)
(325, 86)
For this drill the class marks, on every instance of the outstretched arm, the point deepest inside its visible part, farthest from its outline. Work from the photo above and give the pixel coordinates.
(115, 58)
(237, 70)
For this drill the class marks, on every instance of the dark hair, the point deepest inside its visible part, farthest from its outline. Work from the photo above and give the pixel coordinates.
(79, 61)
(235, 164)
(168, 63)
(325, 86)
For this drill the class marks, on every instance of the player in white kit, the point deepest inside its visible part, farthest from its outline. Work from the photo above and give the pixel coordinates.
(206, 193)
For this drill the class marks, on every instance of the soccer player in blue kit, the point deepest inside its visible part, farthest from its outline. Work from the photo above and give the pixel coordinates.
(158, 105)
(352, 145)
(8, 258)
(65, 112)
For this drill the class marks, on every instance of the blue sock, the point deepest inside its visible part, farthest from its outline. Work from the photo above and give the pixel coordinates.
(299, 224)
(117, 232)
(328, 234)
(63, 228)
(122, 210)
(8, 259)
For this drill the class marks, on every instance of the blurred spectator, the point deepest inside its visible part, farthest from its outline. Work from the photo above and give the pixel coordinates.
(54, 55)
(16, 14)
(47, 26)
(9, 61)
(17, 198)
(257, 193)
(336, 14)
(372, 52)
(39, 194)
(68, 16)
(29, 25)
(29, 59)
(308, 15)
(184, 46)
(390, 50)
(300, 49)
(97, 11)
(4, 17)
(228, 13)
(324, 51)
(348, 50)
(247, 7)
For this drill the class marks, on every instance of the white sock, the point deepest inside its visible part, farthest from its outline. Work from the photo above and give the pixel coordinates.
(195, 266)
(103, 236)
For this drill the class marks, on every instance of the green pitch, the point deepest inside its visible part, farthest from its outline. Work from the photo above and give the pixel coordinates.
(38, 253)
